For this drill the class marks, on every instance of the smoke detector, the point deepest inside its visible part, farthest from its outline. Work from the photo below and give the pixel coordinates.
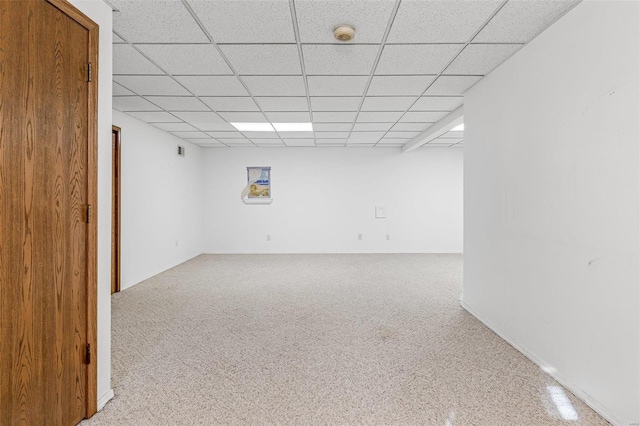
(344, 32)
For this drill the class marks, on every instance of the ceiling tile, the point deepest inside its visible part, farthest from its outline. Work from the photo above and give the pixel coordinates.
(275, 85)
(205, 142)
(230, 103)
(261, 135)
(191, 135)
(178, 103)
(275, 141)
(410, 85)
(423, 116)
(156, 22)
(452, 85)
(288, 117)
(288, 103)
(297, 135)
(335, 103)
(203, 85)
(204, 121)
(152, 85)
(481, 59)
(416, 58)
(263, 59)
(332, 127)
(331, 142)
(317, 18)
(117, 90)
(339, 59)
(227, 135)
(299, 142)
(334, 117)
(411, 127)
(402, 135)
(378, 116)
(133, 103)
(437, 103)
(345, 85)
(372, 127)
(387, 103)
(244, 117)
(520, 21)
(127, 60)
(393, 141)
(237, 142)
(388, 145)
(155, 117)
(365, 137)
(332, 135)
(248, 21)
(360, 143)
(186, 58)
(174, 127)
(117, 39)
(451, 21)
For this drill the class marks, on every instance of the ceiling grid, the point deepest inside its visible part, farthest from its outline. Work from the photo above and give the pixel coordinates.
(191, 67)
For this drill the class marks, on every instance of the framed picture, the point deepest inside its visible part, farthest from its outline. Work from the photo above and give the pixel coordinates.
(259, 182)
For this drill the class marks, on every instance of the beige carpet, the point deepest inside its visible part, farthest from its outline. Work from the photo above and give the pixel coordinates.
(319, 339)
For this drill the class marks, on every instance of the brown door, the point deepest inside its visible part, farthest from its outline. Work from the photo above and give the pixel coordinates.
(44, 197)
(115, 209)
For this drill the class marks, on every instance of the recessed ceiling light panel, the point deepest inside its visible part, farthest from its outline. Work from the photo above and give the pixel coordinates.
(293, 127)
(458, 128)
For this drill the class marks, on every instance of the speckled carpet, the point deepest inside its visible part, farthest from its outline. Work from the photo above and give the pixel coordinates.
(319, 339)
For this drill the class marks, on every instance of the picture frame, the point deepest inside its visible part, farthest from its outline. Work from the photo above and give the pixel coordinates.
(259, 182)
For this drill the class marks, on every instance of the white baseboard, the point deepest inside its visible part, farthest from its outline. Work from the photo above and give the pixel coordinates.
(585, 397)
(102, 401)
(145, 277)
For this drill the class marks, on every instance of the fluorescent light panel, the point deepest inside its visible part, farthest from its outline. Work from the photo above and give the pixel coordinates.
(458, 128)
(272, 127)
(293, 127)
(253, 127)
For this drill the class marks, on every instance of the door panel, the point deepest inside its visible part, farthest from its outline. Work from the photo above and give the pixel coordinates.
(43, 199)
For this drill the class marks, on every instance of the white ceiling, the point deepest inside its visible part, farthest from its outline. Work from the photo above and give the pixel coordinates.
(191, 67)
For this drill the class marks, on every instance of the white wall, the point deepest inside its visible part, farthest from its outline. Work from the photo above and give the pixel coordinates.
(101, 14)
(325, 197)
(552, 206)
(162, 209)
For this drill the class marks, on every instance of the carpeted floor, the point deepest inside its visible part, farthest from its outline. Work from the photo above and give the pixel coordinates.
(319, 339)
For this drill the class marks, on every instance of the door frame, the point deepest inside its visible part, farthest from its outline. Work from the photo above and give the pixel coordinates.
(91, 395)
(116, 200)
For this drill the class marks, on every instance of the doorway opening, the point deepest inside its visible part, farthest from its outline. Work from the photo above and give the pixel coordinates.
(115, 209)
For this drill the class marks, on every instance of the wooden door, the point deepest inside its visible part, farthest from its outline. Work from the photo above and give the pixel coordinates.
(46, 245)
(115, 209)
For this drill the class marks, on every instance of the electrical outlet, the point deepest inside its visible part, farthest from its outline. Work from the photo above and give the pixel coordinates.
(388, 237)
(359, 236)
(268, 237)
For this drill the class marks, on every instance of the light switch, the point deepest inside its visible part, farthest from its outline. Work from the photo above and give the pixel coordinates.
(381, 212)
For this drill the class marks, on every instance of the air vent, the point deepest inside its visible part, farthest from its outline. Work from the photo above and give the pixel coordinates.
(181, 151)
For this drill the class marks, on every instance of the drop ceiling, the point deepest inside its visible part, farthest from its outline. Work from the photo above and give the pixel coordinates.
(192, 67)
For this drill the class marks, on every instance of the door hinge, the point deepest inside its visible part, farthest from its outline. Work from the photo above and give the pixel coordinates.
(87, 355)
(89, 72)
(88, 213)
